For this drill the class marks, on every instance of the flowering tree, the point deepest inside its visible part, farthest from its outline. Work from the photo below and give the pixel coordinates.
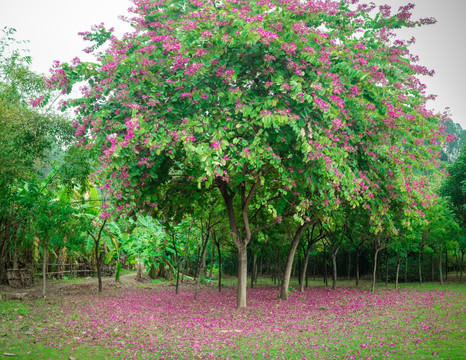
(271, 102)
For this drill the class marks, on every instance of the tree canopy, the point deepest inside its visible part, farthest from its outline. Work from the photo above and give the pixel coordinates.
(283, 106)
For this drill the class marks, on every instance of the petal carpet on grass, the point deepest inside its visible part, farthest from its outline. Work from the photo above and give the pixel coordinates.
(319, 323)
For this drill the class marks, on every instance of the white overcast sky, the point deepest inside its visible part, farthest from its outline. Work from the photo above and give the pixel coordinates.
(51, 26)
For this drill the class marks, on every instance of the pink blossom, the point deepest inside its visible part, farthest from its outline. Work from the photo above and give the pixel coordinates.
(266, 36)
(36, 101)
(215, 144)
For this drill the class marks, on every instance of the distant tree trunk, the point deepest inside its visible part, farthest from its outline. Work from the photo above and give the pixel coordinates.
(3, 253)
(277, 268)
(419, 258)
(299, 266)
(44, 268)
(253, 269)
(15, 253)
(307, 275)
(374, 273)
(219, 267)
(197, 265)
(212, 261)
(386, 269)
(310, 241)
(204, 264)
(462, 265)
(251, 277)
(201, 265)
(98, 260)
(398, 262)
(334, 270)
(304, 271)
(349, 265)
(446, 263)
(440, 264)
(334, 248)
(406, 268)
(186, 250)
(325, 266)
(357, 267)
(62, 259)
(139, 270)
(177, 264)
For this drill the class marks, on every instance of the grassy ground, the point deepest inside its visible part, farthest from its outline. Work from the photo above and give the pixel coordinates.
(152, 322)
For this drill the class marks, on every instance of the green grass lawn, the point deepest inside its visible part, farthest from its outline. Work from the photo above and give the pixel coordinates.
(411, 323)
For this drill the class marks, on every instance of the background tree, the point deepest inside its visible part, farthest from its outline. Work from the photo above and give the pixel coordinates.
(454, 187)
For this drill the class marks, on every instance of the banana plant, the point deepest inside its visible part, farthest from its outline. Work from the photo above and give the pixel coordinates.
(117, 238)
(151, 244)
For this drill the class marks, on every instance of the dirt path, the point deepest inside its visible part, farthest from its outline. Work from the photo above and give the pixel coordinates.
(89, 285)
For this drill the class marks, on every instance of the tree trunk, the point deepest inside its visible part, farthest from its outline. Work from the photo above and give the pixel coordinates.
(98, 259)
(386, 269)
(219, 267)
(334, 270)
(15, 253)
(177, 259)
(419, 259)
(204, 263)
(177, 285)
(242, 275)
(446, 263)
(304, 272)
(98, 264)
(457, 257)
(398, 262)
(212, 262)
(197, 264)
(287, 271)
(462, 264)
(253, 268)
(3, 253)
(284, 293)
(374, 273)
(357, 267)
(349, 266)
(277, 267)
(186, 250)
(139, 270)
(406, 268)
(325, 266)
(44, 269)
(256, 274)
(62, 259)
(440, 265)
(259, 269)
(201, 268)
(300, 268)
